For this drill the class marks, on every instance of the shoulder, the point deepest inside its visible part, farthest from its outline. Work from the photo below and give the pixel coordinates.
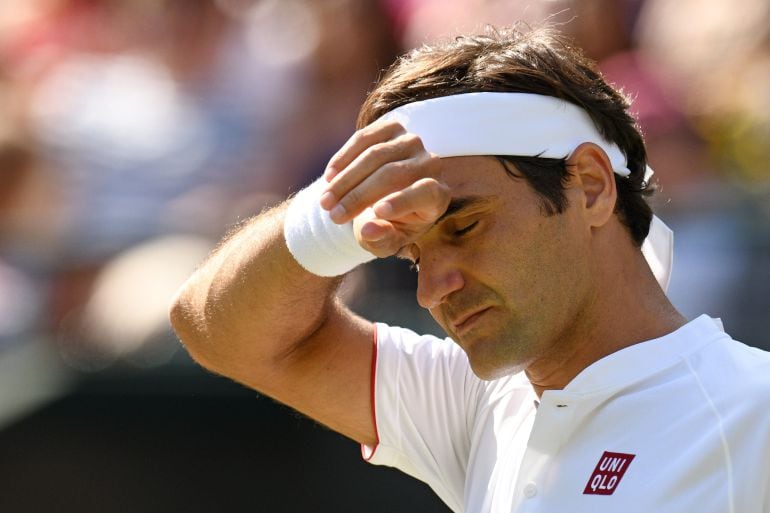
(713, 354)
(732, 362)
(739, 394)
(735, 379)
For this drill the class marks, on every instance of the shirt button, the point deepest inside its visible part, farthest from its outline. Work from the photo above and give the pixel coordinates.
(530, 490)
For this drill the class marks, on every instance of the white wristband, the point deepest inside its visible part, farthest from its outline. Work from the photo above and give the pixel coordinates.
(320, 245)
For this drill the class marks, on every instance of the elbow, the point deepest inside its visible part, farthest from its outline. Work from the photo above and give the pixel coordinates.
(188, 324)
(179, 315)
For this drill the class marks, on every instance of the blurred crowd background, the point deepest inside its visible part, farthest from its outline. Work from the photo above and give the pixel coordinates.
(135, 134)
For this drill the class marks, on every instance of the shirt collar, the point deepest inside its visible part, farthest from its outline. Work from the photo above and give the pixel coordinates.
(641, 360)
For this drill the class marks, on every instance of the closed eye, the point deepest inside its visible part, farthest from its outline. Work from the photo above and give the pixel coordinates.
(463, 231)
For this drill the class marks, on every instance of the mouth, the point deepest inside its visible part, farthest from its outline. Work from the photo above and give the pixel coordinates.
(465, 322)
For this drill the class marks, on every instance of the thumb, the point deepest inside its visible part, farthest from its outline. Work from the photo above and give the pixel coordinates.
(377, 236)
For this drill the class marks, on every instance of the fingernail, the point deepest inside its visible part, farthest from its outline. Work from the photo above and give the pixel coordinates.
(383, 209)
(327, 200)
(337, 213)
(371, 233)
(373, 237)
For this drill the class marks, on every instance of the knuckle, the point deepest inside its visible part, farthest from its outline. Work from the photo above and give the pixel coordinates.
(377, 152)
(336, 161)
(351, 200)
(381, 248)
(433, 187)
(356, 138)
(433, 165)
(411, 141)
(434, 191)
(379, 131)
(393, 126)
(362, 136)
(436, 195)
(400, 172)
(333, 164)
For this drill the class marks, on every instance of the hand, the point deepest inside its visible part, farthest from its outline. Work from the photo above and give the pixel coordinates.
(388, 184)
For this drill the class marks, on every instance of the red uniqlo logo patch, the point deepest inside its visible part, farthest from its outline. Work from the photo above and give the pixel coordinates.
(608, 473)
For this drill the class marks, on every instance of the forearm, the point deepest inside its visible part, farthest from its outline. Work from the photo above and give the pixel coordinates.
(251, 297)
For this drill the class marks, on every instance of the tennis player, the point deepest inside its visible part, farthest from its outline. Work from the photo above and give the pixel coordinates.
(512, 176)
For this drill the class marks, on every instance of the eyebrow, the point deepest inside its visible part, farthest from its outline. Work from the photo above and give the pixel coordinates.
(456, 205)
(461, 203)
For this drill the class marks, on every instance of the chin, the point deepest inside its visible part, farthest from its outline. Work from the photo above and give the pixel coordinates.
(489, 366)
(491, 352)
(490, 373)
(485, 373)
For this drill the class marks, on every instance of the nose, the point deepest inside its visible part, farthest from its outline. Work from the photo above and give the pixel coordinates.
(436, 281)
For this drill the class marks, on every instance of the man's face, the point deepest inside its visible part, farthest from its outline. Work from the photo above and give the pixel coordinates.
(503, 279)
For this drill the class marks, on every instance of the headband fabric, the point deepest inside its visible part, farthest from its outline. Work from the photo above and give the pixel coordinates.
(521, 124)
(524, 125)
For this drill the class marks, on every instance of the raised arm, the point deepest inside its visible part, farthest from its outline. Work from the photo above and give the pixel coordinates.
(252, 313)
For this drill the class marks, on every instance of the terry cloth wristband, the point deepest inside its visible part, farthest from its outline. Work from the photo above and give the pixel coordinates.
(320, 245)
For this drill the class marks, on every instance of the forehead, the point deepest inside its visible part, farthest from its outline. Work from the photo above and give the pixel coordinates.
(477, 175)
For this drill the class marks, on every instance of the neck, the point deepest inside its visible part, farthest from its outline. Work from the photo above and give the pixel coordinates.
(626, 308)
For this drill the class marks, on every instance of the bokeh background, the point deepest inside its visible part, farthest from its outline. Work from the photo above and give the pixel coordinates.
(134, 134)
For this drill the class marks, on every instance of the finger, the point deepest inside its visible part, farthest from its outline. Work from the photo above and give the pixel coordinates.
(423, 201)
(376, 229)
(369, 161)
(358, 142)
(381, 238)
(390, 178)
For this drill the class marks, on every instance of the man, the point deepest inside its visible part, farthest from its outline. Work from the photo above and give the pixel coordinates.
(513, 177)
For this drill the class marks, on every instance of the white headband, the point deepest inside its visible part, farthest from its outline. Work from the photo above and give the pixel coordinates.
(522, 124)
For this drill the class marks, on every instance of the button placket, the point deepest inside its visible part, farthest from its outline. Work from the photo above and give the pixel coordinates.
(553, 426)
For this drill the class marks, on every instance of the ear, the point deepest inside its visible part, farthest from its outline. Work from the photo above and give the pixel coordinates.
(593, 180)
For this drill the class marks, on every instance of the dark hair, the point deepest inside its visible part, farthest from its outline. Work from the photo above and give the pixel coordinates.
(520, 59)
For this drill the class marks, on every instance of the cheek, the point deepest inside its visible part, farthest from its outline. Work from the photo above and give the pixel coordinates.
(559, 278)
(536, 263)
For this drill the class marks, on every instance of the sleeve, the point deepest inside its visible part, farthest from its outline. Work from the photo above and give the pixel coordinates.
(424, 399)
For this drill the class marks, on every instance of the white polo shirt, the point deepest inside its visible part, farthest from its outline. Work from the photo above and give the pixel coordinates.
(676, 424)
